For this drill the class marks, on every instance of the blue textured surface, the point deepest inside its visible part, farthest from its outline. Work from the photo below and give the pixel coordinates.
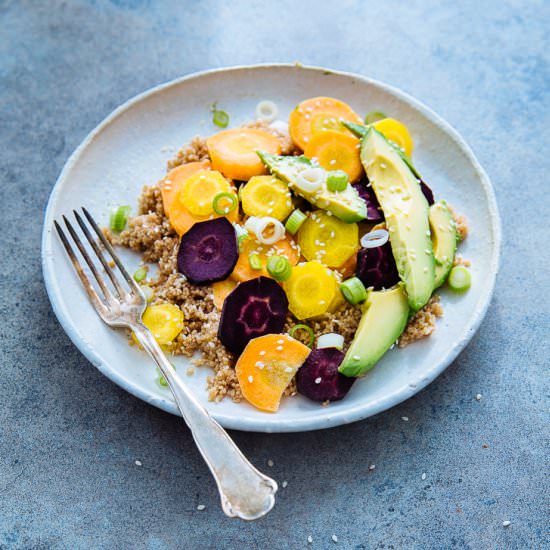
(69, 438)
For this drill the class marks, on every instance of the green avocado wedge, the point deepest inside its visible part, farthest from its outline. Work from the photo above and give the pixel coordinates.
(444, 239)
(385, 315)
(406, 211)
(346, 205)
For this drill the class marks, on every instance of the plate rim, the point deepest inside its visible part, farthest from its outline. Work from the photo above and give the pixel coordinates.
(359, 411)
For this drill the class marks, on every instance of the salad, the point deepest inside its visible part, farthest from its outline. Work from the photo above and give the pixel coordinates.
(293, 255)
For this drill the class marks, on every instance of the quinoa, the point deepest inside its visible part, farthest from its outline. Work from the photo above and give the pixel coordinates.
(150, 233)
(422, 324)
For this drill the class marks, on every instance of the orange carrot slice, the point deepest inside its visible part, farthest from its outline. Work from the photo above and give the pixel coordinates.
(285, 247)
(171, 183)
(186, 200)
(318, 114)
(336, 151)
(233, 152)
(221, 289)
(266, 367)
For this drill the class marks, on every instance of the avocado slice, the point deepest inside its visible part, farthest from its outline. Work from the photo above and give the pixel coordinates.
(406, 211)
(345, 205)
(444, 239)
(360, 130)
(385, 315)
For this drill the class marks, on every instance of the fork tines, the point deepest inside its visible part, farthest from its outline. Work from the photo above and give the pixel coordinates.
(109, 297)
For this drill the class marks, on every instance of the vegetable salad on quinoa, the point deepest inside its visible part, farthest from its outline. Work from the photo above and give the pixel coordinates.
(294, 255)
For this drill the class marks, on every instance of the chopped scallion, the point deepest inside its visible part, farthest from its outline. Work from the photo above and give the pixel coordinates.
(459, 279)
(354, 290)
(140, 274)
(279, 268)
(374, 116)
(337, 180)
(255, 261)
(305, 328)
(294, 221)
(219, 118)
(227, 197)
(119, 218)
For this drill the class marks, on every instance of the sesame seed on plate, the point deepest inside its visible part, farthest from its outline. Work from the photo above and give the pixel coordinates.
(334, 538)
(318, 380)
(372, 466)
(270, 463)
(285, 484)
(478, 397)
(201, 507)
(506, 523)
(310, 539)
(405, 418)
(423, 477)
(138, 463)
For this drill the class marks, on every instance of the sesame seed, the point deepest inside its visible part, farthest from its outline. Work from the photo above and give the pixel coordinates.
(372, 467)
(334, 538)
(318, 380)
(201, 507)
(506, 523)
(138, 463)
(279, 348)
(285, 484)
(356, 357)
(310, 539)
(251, 379)
(289, 369)
(423, 476)
(280, 341)
(478, 397)
(262, 352)
(405, 418)
(270, 463)
(260, 364)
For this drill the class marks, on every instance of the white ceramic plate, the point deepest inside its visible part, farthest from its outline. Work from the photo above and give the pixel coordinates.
(130, 148)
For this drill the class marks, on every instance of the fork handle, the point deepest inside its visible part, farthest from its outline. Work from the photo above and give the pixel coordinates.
(244, 491)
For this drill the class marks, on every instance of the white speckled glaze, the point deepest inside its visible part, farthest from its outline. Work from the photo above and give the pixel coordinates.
(130, 148)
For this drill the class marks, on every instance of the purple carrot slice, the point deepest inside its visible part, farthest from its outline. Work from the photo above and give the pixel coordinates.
(376, 267)
(254, 308)
(208, 252)
(428, 193)
(318, 378)
(374, 212)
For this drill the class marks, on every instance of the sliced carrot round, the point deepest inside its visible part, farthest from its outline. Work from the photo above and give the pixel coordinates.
(233, 152)
(221, 290)
(319, 114)
(244, 269)
(267, 366)
(192, 200)
(397, 132)
(170, 184)
(336, 151)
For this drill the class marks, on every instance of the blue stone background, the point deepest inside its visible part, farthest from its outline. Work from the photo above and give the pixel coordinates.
(69, 438)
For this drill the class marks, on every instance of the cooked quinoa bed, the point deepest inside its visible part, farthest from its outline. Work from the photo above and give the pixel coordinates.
(151, 234)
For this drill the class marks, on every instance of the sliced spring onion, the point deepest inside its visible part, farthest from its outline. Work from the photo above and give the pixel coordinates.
(305, 328)
(459, 279)
(337, 180)
(354, 290)
(279, 268)
(294, 221)
(255, 261)
(374, 116)
(330, 340)
(148, 292)
(310, 180)
(228, 197)
(161, 380)
(241, 239)
(281, 126)
(378, 237)
(119, 218)
(140, 274)
(266, 111)
(219, 118)
(260, 225)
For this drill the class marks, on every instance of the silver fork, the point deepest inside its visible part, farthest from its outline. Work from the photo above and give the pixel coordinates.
(244, 491)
